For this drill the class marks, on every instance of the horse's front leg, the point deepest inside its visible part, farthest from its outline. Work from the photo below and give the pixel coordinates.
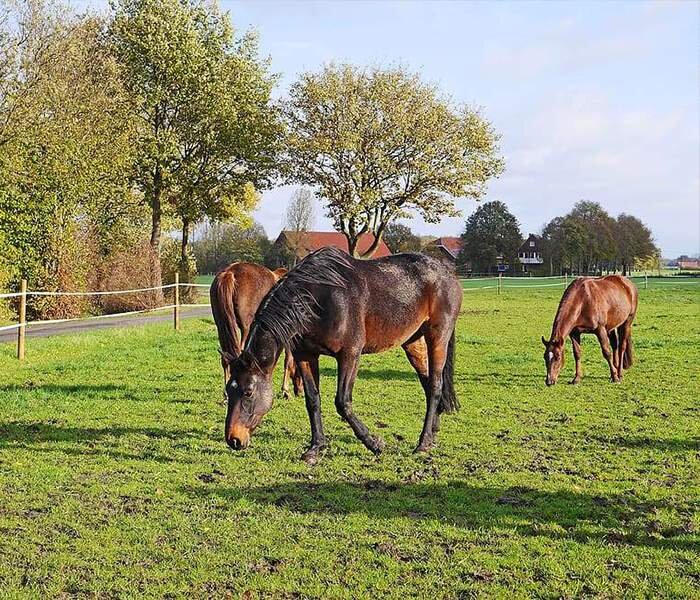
(602, 336)
(347, 372)
(576, 345)
(288, 367)
(310, 376)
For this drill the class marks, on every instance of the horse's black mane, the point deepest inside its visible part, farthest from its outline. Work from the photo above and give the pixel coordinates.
(290, 307)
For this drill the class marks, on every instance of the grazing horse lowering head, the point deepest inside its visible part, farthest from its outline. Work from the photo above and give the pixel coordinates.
(553, 359)
(249, 395)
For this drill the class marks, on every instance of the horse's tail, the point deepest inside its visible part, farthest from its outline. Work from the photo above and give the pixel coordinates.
(628, 358)
(221, 295)
(448, 400)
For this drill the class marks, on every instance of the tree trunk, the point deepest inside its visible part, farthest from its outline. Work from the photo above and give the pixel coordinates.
(184, 245)
(156, 211)
(156, 216)
(369, 253)
(352, 243)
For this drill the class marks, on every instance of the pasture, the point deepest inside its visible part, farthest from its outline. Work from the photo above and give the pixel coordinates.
(115, 480)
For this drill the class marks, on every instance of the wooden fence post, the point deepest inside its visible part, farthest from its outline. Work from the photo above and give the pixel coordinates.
(500, 276)
(566, 279)
(21, 330)
(176, 307)
(646, 281)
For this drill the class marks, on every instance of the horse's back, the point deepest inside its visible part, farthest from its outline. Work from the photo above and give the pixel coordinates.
(608, 301)
(619, 290)
(403, 292)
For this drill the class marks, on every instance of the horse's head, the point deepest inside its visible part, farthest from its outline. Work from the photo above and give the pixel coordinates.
(553, 359)
(249, 396)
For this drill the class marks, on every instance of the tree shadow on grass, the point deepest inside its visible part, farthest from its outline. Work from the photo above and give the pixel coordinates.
(105, 391)
(559, 515)
(62, 388)
(88, 441)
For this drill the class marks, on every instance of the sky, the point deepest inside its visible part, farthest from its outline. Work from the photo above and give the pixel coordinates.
(593, 100)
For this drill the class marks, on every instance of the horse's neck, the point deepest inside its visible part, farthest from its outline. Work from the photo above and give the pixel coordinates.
(564, 322)
(263, 346)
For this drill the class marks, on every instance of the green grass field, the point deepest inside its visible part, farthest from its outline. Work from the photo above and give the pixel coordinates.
(115, 480)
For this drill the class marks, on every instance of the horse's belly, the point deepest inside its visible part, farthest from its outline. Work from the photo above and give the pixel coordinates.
(384, 334)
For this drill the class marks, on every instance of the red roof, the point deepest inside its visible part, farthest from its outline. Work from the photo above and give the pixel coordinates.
(452, 244)
(314, 240)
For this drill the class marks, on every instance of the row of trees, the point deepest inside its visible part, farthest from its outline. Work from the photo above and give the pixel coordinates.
(114, 130)
(589, 240)
(586, 240)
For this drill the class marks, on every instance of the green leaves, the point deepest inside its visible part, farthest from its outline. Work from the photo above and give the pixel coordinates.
(379, 144)
(207, 132)
(491, 231)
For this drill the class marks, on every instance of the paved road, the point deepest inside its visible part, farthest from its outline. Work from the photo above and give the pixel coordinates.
(89, 325)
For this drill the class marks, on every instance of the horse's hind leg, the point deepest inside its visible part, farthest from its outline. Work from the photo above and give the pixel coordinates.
(310, 376)
(602, 336)
(613, 338)
(437, 342)
(625, 331)
(417, 354)
(347, 372)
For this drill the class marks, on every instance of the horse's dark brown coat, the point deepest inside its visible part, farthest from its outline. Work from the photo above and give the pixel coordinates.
(339, 306)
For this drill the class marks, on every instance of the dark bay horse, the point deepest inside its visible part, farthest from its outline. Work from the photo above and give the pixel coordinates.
(336, 305)
(605, 306)
(235, 295)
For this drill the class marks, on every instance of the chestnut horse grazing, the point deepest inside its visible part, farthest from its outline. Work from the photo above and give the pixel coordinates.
(334, 304)
(605, 306)
(235, 294)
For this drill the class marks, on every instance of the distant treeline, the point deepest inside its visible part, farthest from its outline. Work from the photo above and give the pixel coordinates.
(587, 240)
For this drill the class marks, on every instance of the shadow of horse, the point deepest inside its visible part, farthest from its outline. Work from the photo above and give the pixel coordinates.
(561, 514)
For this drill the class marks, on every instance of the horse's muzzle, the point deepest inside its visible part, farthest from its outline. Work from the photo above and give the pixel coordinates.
(237, 444)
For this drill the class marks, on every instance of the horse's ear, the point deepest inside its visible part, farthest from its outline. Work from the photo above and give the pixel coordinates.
(544, 341)
(226, 357)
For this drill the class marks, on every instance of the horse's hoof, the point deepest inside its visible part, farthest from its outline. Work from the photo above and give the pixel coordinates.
(377, 445)
(575, 381)
(286, 395)
(310, 458)
(424, 447)
(313, 454)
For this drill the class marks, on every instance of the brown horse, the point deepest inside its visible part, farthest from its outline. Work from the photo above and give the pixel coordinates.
(235, 294)
(334, 304)
(605, 306)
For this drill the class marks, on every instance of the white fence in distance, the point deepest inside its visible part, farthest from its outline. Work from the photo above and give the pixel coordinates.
(498, 283)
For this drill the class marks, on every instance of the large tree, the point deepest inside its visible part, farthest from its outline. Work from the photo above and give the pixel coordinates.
(597, 246)
(634, 242)
(66, 150)
(490, 231)
(400, 238)
(380, 144)
(201, 97)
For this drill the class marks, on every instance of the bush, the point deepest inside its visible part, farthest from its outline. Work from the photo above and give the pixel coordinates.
(129, 268)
